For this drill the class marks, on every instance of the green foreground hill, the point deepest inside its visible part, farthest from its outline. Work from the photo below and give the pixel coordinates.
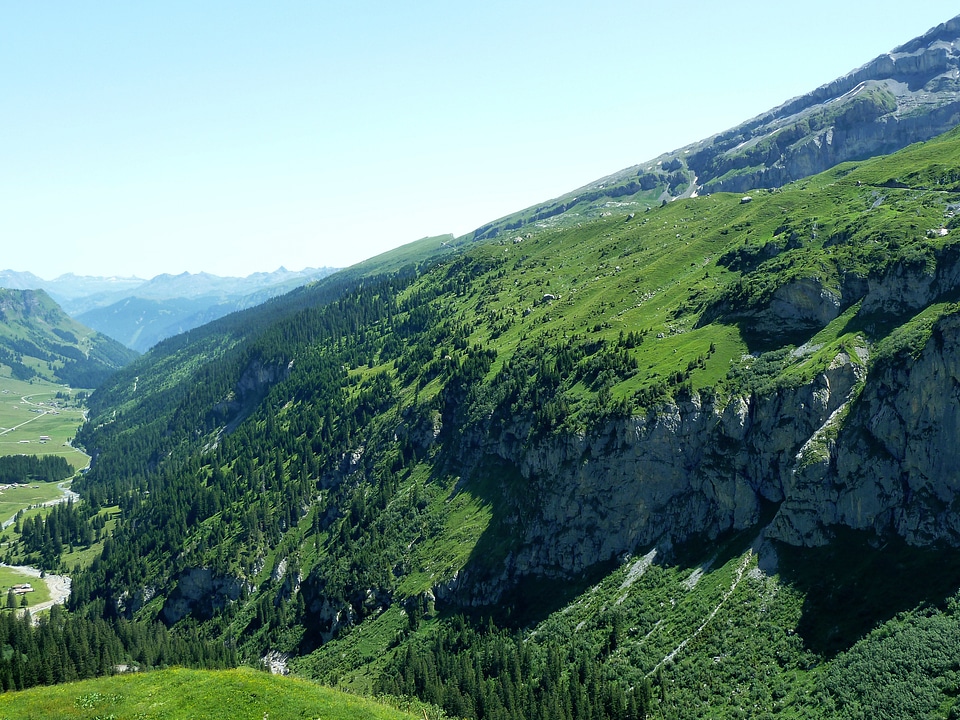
(178, 693)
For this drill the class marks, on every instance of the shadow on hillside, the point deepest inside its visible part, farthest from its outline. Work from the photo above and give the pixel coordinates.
(858, 582)
(850, 586)
(758, 342)
(496, 589)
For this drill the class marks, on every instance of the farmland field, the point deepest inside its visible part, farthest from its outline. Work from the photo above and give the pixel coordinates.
(34, 421)
(15, 498)
(10, 577)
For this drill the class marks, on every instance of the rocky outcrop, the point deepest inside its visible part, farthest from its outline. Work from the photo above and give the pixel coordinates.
(819, 151)
(909, 287)
(327, 615)
(804, 305)
(253, 385)
(201, 593)
(908, 95)
(691, 468)
(874, 452)
(895, 466)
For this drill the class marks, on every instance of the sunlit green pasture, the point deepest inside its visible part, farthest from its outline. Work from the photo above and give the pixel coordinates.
(14, 498)
(179, 693)
(30, 413)
(10, 577)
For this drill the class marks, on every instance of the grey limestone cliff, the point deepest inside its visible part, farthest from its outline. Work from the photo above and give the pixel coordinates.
(895, 466)
(870, 449)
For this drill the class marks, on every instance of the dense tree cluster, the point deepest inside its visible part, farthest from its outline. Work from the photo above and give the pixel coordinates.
(26, 468)
(493, 674)
(44, 536)
(62, 647)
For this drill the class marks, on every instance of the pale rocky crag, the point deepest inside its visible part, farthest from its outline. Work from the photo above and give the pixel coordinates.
(895, 467)
(869, 450)
(907, 95)
(806, 304)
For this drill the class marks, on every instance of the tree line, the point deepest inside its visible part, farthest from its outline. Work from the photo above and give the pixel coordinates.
(63, 647)
(27, 468)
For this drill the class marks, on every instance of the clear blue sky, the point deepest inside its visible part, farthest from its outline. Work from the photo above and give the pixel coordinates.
(236, 137)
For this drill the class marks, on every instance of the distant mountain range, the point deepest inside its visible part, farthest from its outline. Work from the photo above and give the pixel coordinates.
(139, 313)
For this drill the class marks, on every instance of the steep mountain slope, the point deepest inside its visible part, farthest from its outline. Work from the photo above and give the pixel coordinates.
(907, 95)
(140, 324)
(493, 430)
(38, 339)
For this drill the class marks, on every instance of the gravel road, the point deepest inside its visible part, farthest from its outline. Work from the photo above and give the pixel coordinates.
(59, 586)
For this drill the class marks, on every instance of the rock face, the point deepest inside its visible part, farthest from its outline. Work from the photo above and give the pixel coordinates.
(895, 466)
(805, 304)
(691, 468)
(904, 96)
(871, 451)
(200, 593)
(253, 385)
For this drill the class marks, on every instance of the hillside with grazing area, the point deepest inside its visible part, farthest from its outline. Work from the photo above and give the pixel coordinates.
(695, 459)
(435, 460)
(191, 693)
(39, 340)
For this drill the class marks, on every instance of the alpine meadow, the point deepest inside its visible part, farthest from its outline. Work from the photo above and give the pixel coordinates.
(679, 444)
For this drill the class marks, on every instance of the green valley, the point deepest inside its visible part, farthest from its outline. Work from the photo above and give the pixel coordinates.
(40, 418)
(653, 449)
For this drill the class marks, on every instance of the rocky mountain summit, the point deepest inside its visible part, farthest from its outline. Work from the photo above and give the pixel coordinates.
(907, 95)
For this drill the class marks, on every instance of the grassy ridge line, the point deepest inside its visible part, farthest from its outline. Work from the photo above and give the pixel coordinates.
(179, 693)
(37, 339)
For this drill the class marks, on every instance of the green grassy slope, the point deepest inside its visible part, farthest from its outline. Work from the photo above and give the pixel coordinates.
(37, 339)
(178, 693)
(36, 408)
